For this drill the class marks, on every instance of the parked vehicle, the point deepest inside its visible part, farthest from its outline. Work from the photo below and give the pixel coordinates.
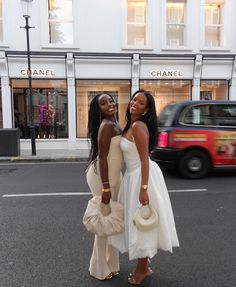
(196, 136)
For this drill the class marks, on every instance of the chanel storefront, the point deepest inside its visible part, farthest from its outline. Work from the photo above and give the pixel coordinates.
(64, 83)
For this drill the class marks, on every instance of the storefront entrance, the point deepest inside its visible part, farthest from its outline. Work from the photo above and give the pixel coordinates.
(216, 90)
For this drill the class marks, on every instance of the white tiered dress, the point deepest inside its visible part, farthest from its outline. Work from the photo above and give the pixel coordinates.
(140, 244)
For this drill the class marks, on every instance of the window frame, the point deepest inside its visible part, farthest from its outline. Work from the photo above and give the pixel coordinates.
(187, 34)
(125, 46)
(45, 27)
(225, 28)
(5, 28)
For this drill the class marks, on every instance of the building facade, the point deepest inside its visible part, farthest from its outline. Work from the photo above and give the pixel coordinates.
(176, 49)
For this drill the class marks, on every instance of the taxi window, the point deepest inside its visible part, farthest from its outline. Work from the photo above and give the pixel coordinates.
(197, 115)
(162, 119)
(225, 115)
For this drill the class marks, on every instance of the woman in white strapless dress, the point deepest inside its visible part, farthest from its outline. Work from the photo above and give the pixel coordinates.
(143, 183)
(104, 176)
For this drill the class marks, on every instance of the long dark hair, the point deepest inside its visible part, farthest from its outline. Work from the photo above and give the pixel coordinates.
(149, 118)
(95, 118)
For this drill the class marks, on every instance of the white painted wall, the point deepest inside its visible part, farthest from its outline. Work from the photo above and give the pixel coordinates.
(99, 27)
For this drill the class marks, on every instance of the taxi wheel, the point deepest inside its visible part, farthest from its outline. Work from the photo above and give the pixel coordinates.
(194, 164)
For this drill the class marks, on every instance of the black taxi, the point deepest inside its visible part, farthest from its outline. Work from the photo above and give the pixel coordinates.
(196, 136)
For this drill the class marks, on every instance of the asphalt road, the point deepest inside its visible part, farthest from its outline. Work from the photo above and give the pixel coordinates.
(44, 244)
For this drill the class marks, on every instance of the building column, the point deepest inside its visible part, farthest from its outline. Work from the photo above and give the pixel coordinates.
(232, 87)
(6, 93)
(135, 73)
(196, 78)
(71, 101)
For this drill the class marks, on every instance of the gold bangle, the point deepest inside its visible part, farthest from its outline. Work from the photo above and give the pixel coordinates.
(106, 189)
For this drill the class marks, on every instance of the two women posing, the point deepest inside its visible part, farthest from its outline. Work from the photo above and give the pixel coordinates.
(143, 183)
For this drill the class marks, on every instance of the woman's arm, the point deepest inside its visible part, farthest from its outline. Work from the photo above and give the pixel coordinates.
(104, 139)
(141, 139)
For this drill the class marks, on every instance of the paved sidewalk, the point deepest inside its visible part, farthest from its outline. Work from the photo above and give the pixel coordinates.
(45, 155)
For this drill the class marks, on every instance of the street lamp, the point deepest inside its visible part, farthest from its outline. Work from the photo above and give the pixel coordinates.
(26, 9)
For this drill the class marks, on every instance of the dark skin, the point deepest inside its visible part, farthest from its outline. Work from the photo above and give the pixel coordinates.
(108, 129)
(138, 132)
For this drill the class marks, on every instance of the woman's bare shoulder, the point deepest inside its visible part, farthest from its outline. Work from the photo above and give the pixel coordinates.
(139, 125)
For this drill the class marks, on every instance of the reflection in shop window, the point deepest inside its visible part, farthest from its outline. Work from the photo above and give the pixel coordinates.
(213, 23)
(60, 21)
(175, 22)
(214, 90)
(50, 108)
(167, 91)
(137, 22)
(87, 89)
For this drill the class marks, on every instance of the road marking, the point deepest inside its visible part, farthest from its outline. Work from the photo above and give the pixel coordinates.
(188, 190)
(46, 194)
(42, 162)
(85, 193)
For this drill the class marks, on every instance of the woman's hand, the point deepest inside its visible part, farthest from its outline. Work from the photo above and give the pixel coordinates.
(106, 196)
(143, 197)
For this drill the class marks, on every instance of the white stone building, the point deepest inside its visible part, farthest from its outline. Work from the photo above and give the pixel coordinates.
(177, 49)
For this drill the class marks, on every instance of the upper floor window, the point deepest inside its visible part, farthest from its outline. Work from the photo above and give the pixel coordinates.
(1, 22)
(60, 22)
(213, 11)
(137, 22)
(175, 23)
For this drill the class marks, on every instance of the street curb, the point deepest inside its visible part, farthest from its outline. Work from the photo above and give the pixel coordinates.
(43, 159)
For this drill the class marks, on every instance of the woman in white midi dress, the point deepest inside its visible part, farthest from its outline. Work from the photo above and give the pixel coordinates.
(143, 183)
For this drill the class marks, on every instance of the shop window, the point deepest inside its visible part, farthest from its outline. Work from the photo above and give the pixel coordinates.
(214, 90)
(137, 22)
(175, 23)
(167, 91)
(60, 21)
(50, 108)
(1, 21)
(213, 23)
(87, 89)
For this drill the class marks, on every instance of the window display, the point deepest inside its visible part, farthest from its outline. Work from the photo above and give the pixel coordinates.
(87, 89)
(50, 108)
(214, 90)
(167, 91)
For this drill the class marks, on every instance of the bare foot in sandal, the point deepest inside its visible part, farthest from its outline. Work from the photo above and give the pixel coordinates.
(138, 278)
